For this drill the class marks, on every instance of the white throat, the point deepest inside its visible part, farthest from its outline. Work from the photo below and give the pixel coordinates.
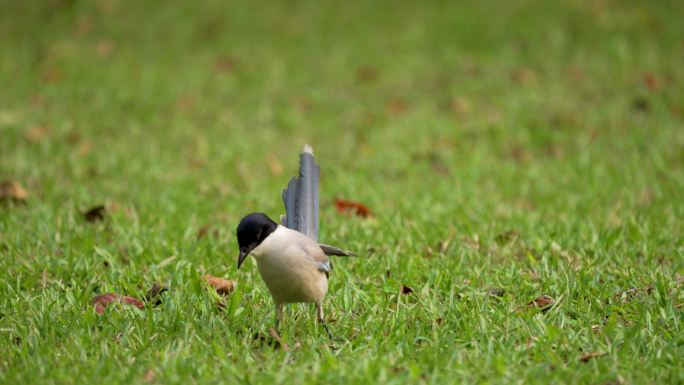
(276, 240)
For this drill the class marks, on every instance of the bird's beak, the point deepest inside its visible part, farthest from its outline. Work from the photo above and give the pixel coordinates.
(243, 255)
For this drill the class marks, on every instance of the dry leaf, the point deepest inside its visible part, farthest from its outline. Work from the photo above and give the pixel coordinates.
(443, 245)
(153, 296)
(222, 286)
(428, 252)
(397, 107)
(102, 301)
(651, 81)
(507, 237)
(586, 357)
(85, 148)
(630, 294)
(185, 102)
(36, 133)
(542, 302)
(497, 292)
(471, 243)
(460, 106)
(149, 375)
(523, 75)
(12, 191)
(279, 341)
(203, 231)
(534, 275)
(352, 207)
(224, 64)
(406, 290)
(94, 214)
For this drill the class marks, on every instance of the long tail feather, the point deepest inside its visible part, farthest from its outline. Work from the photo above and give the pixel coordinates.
(301, 197)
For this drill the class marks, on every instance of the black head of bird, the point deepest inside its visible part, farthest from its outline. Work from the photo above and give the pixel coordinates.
(251, 232)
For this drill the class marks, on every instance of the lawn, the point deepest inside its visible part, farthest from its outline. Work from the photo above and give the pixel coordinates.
(507, 151)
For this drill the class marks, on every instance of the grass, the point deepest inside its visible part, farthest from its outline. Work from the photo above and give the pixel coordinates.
(534, 147)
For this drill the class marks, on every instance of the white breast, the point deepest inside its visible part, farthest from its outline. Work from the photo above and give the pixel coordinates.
(289, 272)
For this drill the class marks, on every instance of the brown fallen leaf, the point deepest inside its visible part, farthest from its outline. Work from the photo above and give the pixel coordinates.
(153, 296)
(85, 148)
(443, 245)
(95, 214)
(150, 375)
(460, 106)
(651, 81)
(542, 302)
(586, 357)
(185, 102)
(397, 107)
(518, 153)
(533, 274)
(36, 133)
(406, 290)
(523, 75)
(507, 237)
(12, 191)
(203, 231)
(429, 252)
(471, 243)
(102, 301)
(351, 207)
(225, 64)
(222, 286)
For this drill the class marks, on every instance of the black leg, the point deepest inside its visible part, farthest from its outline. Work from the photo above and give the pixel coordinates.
(321, 319)
(278, 315)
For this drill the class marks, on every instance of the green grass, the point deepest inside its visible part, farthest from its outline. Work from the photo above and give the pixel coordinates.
(558, 122)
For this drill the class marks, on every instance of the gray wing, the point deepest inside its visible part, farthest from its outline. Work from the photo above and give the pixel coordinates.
(319, 258)
(301, 197)
(334, 250)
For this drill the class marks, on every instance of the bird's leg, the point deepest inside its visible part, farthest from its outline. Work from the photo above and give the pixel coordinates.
(278, 315)
(321, 318)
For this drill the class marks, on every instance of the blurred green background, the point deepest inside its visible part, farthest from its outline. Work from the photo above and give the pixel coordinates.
(535, 146)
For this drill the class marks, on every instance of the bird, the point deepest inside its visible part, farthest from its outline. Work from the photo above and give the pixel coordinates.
(292, 263)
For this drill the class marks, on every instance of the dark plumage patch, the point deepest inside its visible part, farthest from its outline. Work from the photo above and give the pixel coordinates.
(253, 229)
